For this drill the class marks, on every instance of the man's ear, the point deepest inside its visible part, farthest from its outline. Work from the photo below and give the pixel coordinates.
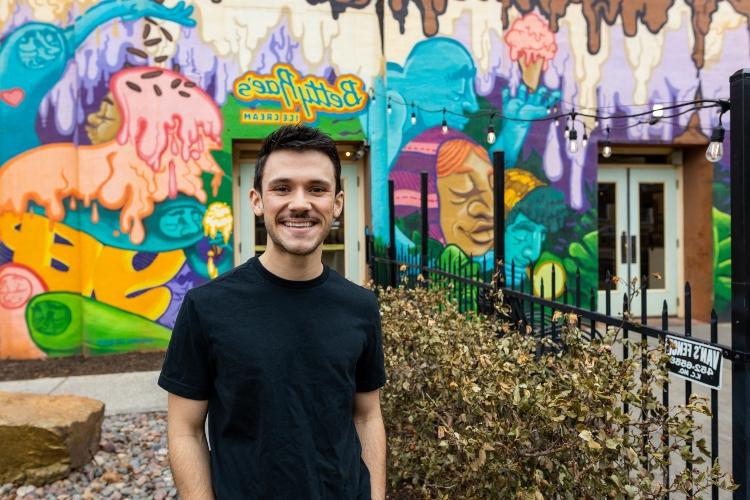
(338, 204)
(257, 202)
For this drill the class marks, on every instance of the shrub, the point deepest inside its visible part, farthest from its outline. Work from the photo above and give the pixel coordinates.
(473, 414)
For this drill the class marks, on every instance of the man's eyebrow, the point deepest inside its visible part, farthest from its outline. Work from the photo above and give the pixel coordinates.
(287, 180)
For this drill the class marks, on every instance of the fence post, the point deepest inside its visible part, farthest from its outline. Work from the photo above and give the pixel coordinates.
(425, 225)
(739, 92)
(393, 274)
(498, 188)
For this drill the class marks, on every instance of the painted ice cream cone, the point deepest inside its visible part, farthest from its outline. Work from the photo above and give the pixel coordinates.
(533, 45)
(531, 72)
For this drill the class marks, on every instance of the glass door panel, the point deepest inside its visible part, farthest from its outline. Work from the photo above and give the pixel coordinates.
(638, 236)
(607, 226)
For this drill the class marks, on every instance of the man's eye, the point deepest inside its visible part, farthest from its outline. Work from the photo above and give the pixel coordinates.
(318, 190)
(280, 188)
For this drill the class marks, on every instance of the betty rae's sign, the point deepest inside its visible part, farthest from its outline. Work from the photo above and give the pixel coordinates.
(301, 98)
(694, 361)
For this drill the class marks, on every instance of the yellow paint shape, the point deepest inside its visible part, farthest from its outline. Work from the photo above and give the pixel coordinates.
(93, 269)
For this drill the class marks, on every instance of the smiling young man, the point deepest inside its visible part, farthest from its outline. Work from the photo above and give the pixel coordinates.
(282, 353)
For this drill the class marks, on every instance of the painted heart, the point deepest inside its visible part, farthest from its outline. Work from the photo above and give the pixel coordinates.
(12, 97)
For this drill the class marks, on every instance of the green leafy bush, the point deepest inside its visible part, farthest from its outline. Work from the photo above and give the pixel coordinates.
(473, 415)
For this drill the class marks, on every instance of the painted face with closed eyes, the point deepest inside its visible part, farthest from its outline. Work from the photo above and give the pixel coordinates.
(466, 205)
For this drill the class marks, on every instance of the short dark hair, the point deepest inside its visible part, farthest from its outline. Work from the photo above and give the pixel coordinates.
(298, 138)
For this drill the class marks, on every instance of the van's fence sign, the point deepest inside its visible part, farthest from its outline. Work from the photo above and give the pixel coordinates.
(695, 361)
(300, 97)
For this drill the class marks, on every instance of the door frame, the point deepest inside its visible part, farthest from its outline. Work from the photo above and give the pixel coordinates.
(678, 214)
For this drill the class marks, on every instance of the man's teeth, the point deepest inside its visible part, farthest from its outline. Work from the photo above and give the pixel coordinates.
(298, 224)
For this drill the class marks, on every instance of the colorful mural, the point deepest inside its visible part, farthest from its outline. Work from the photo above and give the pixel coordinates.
(117, 122)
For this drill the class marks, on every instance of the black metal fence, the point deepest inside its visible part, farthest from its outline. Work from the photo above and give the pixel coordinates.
(472, 285)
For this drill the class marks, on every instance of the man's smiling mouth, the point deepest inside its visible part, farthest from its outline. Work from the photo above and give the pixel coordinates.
(298, 224)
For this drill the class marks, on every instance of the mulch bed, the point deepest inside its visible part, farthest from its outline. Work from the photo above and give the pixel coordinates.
(80, 365)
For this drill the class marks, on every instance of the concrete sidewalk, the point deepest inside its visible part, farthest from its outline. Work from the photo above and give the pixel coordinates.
(120, 392)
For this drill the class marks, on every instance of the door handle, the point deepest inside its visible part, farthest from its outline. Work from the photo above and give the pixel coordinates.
(624, 248)
(633, 253)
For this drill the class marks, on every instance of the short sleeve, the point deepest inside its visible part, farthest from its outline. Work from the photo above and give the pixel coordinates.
(186, 371)
(370, 373)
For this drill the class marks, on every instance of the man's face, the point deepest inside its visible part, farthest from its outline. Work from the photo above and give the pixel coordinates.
(298, 202)
(466, 206)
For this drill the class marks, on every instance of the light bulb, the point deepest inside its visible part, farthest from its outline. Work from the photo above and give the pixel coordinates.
(585, 140)
(596, 122)
(607, 149)
(389, 108)
(715, 149)
(549, 110)
(567, 132)
(491, 138)
(573, 141)
(557, 121)
(413, 118)
(657, 111)
(444, 127)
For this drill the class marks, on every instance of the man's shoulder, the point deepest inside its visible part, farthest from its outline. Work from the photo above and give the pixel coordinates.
(228, 282)
(351, 290)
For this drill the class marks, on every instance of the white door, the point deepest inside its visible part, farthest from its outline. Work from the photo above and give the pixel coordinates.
(342, 249)
(637, 222)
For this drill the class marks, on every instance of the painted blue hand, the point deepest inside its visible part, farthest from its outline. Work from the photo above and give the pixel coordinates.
(137, 9)
(517, 109)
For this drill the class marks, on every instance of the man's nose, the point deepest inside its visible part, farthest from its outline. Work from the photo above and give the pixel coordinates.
(299, 200)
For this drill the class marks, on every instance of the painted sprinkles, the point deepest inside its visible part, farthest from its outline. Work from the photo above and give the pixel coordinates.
(157, 90)
(161, 59)
(137, 52)
(183, 93)
(153, 41)
(133, 86)
(166, 34)
(189, 85)
(175, 83)
(152, 74)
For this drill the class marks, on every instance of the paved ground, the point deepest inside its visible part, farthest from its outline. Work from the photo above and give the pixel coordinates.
(120, 392)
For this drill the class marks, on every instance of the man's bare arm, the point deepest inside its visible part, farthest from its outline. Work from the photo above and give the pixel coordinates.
(188, 448)
(369, 424)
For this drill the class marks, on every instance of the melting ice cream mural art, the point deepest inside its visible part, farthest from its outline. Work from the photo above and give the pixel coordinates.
(117, 120)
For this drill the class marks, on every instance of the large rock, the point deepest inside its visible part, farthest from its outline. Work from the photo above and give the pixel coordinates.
(43, 437)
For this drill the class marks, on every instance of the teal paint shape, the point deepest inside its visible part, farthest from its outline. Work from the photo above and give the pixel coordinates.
(65, 324)
(174, 225)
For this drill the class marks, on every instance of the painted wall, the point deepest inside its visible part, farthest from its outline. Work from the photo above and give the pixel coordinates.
(117, 119)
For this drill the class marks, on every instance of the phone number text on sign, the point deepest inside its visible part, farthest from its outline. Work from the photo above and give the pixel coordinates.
(695, 361)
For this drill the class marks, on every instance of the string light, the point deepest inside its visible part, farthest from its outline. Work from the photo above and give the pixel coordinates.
(715, 149)
(607, 149)
(677, 109)
(372, 94)
(573, 141)
(491, 137)
(567, 131)
(585, 139)
(444, 125)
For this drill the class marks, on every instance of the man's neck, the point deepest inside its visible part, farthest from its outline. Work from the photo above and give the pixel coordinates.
(292, 267)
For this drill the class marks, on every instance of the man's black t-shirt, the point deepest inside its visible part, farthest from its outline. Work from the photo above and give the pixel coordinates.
(279, 362)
